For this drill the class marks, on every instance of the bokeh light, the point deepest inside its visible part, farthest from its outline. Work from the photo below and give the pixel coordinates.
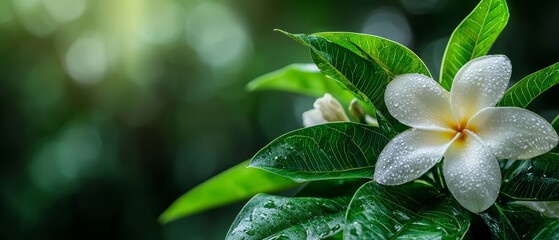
(217, 34)
(34, 17)
(86, 60)
(390, 23)
(65, 10)
(161, 22)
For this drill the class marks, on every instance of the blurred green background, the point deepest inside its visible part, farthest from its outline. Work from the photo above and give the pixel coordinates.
(112, 109)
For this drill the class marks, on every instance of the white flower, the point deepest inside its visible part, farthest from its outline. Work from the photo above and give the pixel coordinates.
(326, 109)
(464, 127)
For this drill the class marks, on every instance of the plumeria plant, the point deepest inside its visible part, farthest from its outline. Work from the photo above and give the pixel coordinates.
(411, 157)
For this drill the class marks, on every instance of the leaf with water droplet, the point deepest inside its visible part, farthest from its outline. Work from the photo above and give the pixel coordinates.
(289, 218)
(515, 221)
(536, 179)
(364, 64)
(411, 211)
(327, 151)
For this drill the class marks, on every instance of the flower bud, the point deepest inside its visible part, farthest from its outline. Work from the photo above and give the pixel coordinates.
(326, 109)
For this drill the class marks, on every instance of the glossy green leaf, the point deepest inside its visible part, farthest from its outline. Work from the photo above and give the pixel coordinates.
(555, 123)
(534, 179)
(393, 57)
(327, 151)
(515, 221)
(338, 236)
(527, 89)
(274, 217)
(363, 77)
(446, 219)
(235, 184)
(411, 211)
(303, 79)
(473, 37)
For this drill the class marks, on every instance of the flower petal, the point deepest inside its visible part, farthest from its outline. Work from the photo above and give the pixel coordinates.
(471, 173)
(479, 84)
(313, 117)
(418, 101)
(409, 155)
(513, 133)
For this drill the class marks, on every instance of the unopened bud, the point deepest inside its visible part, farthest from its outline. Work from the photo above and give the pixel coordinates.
(326, 109)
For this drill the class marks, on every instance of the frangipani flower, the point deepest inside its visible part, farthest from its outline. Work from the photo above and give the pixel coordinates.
(464, 127)
(326, 109)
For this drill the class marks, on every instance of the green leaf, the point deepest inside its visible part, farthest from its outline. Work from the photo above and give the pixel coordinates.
(527, 89)
(235, 184)
(365, 78)
(338, 236)
(327, 151)
(412, 211)
(274, 217)
(447, 219)
(515, 221)
(536, 179)
(303, 79)
(473, 37)
(394, 58)
(555, 123)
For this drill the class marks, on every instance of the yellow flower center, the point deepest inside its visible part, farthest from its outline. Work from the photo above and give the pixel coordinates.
(460, 129)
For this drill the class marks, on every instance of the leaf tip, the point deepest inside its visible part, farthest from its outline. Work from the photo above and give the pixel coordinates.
(291, 35)
(296, 37)
(164, 218)
(281, 31)
(252, 164)
(251, 86)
